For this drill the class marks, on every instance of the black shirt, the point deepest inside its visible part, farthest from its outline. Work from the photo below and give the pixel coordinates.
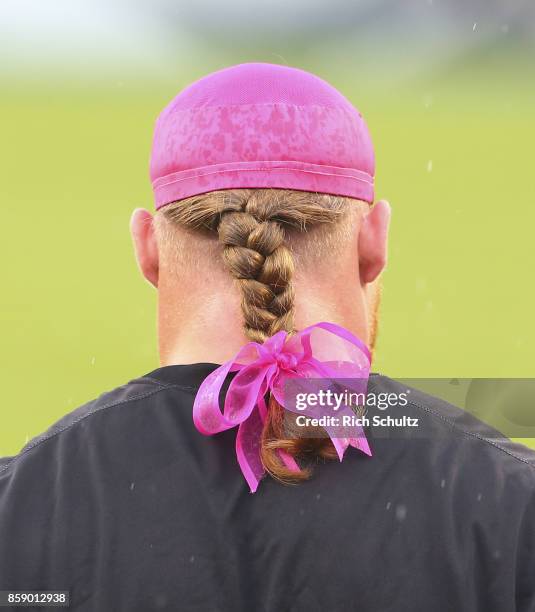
(124, 504)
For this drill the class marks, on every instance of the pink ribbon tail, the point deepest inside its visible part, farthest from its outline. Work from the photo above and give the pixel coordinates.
(362, 444)
(248, 450)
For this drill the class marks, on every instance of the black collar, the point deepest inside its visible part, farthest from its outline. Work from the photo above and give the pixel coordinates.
(189, 375)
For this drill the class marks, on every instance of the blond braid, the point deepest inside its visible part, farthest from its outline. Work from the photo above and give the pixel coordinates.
(255, 253)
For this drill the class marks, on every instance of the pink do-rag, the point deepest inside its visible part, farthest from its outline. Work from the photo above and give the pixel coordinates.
(261, 125)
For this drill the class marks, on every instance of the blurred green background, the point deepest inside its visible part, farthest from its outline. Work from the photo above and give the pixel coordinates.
(448, 94)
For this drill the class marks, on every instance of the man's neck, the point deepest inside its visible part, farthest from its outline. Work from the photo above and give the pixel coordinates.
(213, 333)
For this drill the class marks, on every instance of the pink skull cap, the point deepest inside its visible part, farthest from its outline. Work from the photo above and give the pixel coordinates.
(258, 126)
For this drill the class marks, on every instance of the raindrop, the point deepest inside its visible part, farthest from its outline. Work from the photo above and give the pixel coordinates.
(318, 495)
(92, 361)
(132, 485)
(479, 497)
(442, 483)
(192, 559)
(430, 165)
(401, 512)
(388, 505)
(160, 601)
(474, 27)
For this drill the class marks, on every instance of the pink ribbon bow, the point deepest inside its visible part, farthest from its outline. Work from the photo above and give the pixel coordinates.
(323, 350)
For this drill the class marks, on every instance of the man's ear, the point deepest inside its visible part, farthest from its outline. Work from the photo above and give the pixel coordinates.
(145, 245)
(373, 238)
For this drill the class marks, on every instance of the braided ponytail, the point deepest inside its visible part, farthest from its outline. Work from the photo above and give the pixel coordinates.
(255, 254)
(252, 226)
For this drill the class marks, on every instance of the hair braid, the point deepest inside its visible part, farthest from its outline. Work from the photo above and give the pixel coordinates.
(255, 254)
(251, 225)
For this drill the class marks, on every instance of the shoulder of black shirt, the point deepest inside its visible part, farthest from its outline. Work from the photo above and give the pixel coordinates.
(459, 423)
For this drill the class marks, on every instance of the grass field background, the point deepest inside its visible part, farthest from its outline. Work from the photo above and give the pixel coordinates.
(455, 156)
